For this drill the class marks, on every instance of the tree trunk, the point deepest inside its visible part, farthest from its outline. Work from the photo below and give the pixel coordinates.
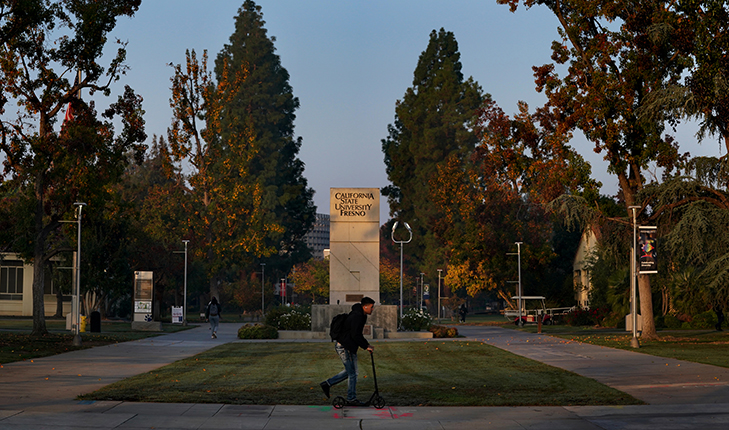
(646, 308)
(39, 317)
(630, 186)
(39, 310)
(214, 288)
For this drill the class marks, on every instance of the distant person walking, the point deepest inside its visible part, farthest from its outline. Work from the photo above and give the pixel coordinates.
(719, 317)
(346, 346)
(462, 311)
(212, 313)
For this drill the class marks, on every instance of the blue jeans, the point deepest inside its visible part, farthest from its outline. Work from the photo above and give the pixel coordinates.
(214, 321)
(349, 359)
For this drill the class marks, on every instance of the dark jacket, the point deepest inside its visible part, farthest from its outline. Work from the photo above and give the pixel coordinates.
(353, 326)
(207, 310)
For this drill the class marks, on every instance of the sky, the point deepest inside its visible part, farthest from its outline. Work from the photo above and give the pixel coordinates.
(349, 63)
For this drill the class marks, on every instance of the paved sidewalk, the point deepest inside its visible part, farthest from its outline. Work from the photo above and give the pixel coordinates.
(655, 380)
(49, 381)
(40, 394)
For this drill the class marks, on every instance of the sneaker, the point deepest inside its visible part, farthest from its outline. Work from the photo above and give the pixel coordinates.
(215, 335)
(355, 402)
(325, 388)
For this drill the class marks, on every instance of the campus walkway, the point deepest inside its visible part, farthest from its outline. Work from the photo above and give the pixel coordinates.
(39, 394)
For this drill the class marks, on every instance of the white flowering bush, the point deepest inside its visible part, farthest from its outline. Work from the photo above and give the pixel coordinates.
(294, 320)
(415, 320)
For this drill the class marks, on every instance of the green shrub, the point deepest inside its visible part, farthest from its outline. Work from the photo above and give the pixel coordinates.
(294, 320)
(704, 320)
(274, 314)
(614, 320)
(288, 318)
(671, 322)
(415, 320)
(257, 331)
(441, 331)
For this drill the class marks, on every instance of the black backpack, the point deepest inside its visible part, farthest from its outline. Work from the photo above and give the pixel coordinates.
(337, 327)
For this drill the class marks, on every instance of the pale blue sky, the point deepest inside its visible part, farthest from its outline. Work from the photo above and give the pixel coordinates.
(349, 62)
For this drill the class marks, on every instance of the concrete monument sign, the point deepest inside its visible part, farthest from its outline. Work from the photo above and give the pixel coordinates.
(354, 243)
(354, 263)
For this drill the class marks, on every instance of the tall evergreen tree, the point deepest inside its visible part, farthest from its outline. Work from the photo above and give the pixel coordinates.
(433, 123)
(260, 115)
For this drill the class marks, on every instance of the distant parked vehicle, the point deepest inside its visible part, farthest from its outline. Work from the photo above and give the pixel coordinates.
(533, 308)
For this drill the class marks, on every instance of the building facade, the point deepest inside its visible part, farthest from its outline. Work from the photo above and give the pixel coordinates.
(16, 288)
(318, 238)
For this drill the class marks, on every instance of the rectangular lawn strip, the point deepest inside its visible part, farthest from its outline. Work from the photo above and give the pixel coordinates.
(409, 374)
(706, 347)
(20, 345)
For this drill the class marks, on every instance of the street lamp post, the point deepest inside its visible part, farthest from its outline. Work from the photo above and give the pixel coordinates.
(184, 290)
(401, 242)
(263, 297)
(422, 292)
(439, 308)
(77, 335)
(283, 290)
(518, 247)
(633, 299)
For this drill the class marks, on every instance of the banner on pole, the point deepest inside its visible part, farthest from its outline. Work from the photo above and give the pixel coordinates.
(647, 259)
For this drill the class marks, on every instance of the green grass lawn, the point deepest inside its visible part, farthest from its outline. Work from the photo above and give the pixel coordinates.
(475, 319)
(699, 346)
(409, 374)
(16, 343)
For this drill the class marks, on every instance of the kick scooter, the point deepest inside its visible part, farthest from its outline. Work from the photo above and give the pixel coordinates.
(375, 399)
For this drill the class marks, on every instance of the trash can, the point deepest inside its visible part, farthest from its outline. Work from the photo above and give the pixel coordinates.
(82, 324)
(96, 322)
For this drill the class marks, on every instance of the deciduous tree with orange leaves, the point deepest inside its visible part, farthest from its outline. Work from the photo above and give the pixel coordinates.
(613, 54)
(44, 45)
(499, 196)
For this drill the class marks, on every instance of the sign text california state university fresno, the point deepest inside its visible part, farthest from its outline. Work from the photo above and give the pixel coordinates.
(353, 204)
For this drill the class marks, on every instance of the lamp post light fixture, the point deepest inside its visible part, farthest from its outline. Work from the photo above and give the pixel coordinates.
(401, 242)
(77, 334)
(633, 287)
(263, 297)
(439, 308)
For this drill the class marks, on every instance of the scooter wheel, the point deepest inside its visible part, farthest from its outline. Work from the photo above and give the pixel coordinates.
(339, 402)
(378, 402)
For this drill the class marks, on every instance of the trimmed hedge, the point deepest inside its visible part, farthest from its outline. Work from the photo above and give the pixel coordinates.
(441, 331)
(257, 331)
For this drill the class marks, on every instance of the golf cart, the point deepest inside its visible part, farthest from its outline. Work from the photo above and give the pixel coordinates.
(532, 309)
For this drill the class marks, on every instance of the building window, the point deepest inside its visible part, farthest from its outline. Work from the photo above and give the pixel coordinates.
(11, 280)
